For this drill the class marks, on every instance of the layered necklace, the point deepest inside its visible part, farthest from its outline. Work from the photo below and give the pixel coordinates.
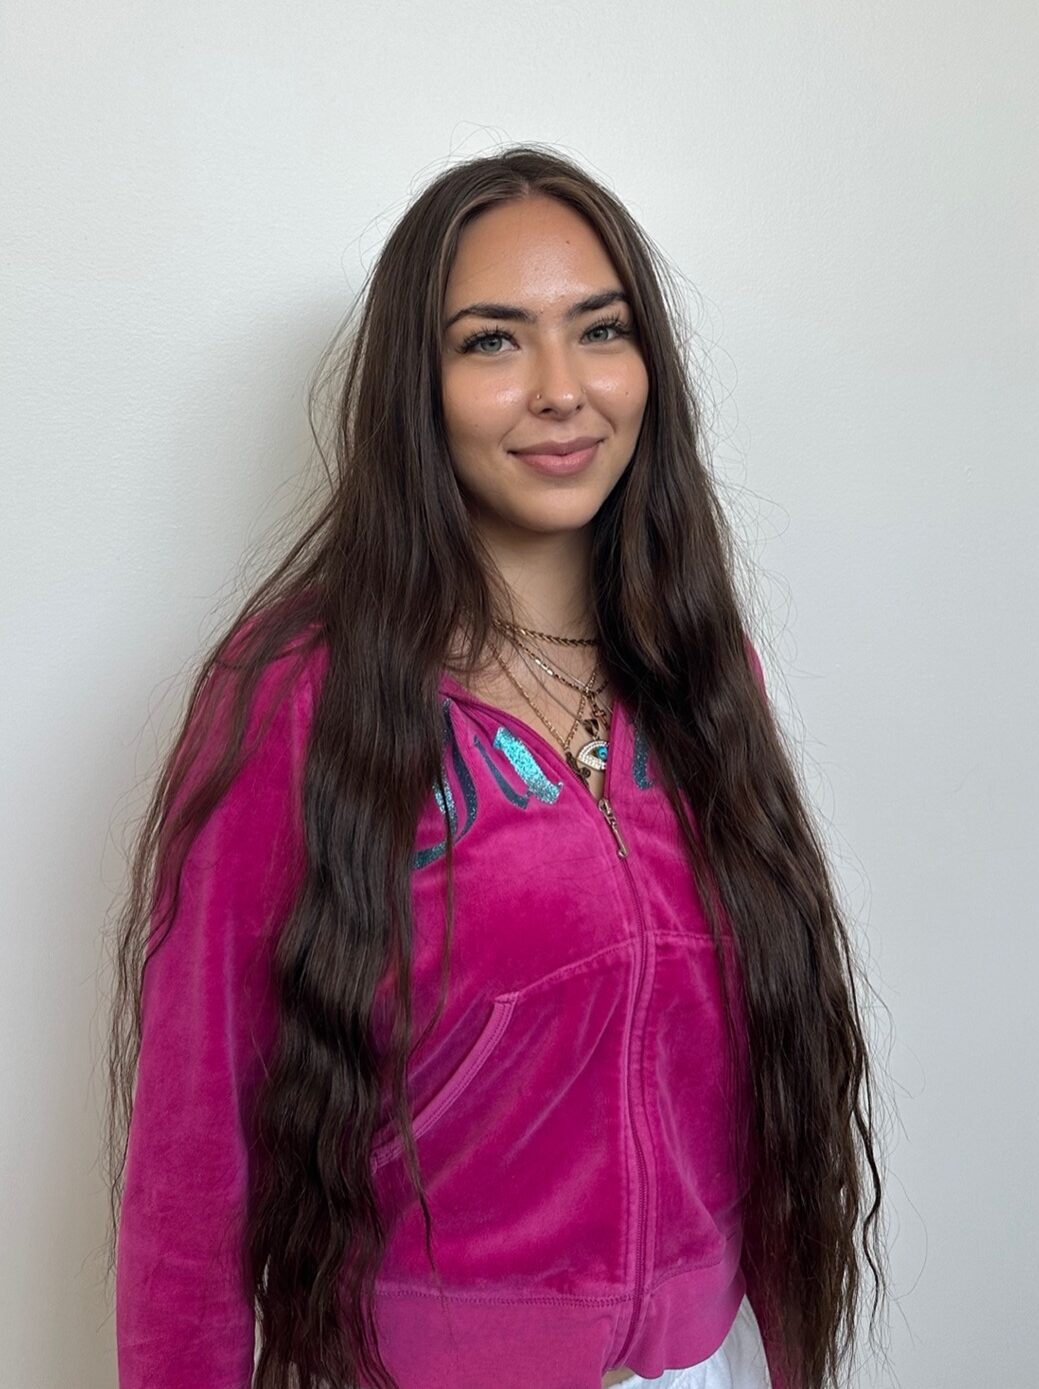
(591, 756)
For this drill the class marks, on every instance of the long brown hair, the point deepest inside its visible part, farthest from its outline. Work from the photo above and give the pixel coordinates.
(386, 572)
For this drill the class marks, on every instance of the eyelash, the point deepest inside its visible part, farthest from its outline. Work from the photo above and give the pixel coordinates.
(623, 331)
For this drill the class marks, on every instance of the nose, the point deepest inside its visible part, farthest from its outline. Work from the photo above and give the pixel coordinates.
(556, 380)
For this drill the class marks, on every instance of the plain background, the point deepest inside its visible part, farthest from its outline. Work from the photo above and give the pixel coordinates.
(192, 197)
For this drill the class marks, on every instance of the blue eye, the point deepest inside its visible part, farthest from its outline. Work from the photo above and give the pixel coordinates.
(489, 335)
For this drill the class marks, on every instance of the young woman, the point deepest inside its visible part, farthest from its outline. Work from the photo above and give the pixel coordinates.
(485, 1013)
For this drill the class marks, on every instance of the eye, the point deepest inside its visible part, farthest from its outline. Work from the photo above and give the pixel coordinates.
(618, 324)
(474, 340)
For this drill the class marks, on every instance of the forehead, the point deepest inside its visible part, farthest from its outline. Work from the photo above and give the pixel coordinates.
(536, 251)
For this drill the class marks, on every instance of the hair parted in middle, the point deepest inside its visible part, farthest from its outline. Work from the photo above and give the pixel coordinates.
(385, 574)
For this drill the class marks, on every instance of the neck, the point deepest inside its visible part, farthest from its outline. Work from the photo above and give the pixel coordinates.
(548, 576)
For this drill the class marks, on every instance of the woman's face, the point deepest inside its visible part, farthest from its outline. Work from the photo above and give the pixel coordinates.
(520, 367)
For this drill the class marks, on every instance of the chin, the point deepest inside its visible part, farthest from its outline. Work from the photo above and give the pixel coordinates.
(544, 515)
(553, 523)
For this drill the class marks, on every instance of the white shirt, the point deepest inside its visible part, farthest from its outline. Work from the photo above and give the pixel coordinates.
(738, 1363)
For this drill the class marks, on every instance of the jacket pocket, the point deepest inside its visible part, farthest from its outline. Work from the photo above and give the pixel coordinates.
(526, 1152)
(463, 1075)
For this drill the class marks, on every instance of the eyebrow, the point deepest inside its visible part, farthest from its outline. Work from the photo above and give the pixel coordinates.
(514, 314)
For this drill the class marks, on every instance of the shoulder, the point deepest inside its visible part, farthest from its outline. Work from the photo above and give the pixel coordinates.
(247, 729)
(284, 690)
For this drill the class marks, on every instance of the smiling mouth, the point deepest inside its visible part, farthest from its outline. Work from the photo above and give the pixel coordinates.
(560, 464)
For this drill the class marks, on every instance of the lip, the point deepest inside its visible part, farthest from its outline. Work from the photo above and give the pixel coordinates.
(563, 458)
(543, 446)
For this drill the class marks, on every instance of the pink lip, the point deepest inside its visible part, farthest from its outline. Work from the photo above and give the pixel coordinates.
(560, 464)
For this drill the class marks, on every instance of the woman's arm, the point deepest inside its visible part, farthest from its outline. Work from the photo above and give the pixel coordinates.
(184, 1313)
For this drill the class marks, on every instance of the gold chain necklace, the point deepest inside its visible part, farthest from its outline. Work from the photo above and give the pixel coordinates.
(530, 632)
(584, 687)
(592, 755)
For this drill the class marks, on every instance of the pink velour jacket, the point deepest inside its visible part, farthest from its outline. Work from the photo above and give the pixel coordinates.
(576, 1126)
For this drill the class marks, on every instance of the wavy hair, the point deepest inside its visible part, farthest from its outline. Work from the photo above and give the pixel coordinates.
(387, 571)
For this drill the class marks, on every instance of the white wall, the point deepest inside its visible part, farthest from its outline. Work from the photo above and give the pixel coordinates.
(193, 193)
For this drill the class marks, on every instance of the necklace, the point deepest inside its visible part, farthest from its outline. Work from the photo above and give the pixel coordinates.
(547, 636)
(582, 686)
(592, 754)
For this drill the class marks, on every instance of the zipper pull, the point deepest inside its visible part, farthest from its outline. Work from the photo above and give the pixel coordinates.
(611, 820)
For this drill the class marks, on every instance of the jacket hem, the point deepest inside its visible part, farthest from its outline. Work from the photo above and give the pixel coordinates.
(556, 1341)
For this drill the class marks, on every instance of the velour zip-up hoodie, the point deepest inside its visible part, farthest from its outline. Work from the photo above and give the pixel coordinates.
(575, 1121)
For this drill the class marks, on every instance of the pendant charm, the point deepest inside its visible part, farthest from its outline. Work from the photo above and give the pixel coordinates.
(593, 755)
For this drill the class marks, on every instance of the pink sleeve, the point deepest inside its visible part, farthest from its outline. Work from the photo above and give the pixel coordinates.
(184, 1317)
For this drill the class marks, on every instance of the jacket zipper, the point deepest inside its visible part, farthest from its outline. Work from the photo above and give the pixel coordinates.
(610, 817)
(640, 1265)
(611, 820)
(603, 802)
(640, 1257)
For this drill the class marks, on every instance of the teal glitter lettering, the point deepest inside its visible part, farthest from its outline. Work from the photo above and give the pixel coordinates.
(422, 857)
(503, 786)
(524, 762)
(640, 760)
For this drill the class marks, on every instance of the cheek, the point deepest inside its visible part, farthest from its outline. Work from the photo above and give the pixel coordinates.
(638, 385)
(623, 391)
(477, 407)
